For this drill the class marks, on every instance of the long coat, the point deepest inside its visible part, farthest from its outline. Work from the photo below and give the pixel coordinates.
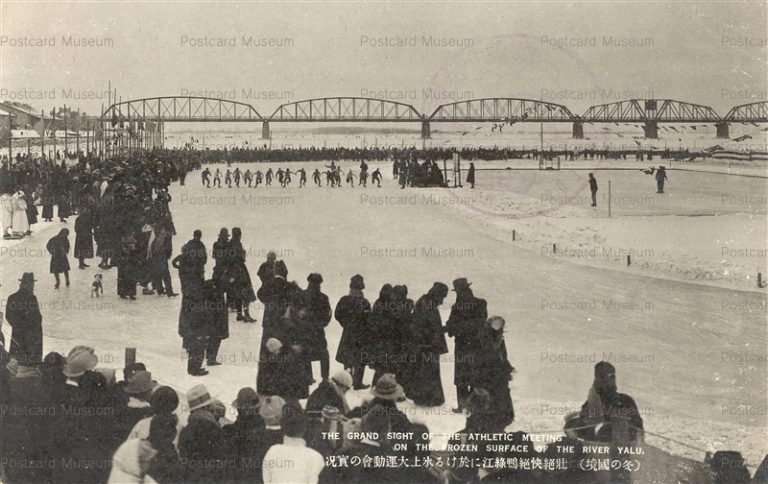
(277, 295)
(464, 324)
(240, 285)
(315, 314)
(352, 313)
(58, 247)
(426, 343)
(492, 372)
(23, 314)
(84, 234)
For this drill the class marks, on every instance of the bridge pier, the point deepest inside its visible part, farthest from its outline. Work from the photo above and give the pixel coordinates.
(578, 130)
(426, 133)
(722, 130)
(651, 129)
(265, 133)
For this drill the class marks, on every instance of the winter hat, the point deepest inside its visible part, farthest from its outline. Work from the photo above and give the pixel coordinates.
(315, 278)
(387, 388)
(273, 345)
(272, 410)
(343, 379)
(479, 401)
(357, 282)
(140, 382)
(198, 397)
(164, 400)
(246, 398)
(79, 361)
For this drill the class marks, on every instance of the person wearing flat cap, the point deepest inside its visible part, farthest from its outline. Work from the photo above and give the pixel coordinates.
(426, 342)
(23, 314)
(202, 448)
(352, 313)
(464, 324)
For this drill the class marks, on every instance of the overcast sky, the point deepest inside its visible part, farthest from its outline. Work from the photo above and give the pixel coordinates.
(571, 53)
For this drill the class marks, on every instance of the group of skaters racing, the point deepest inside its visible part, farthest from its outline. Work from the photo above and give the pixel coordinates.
(332, 174)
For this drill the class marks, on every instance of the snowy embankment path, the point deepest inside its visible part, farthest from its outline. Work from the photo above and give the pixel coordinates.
(692, 356)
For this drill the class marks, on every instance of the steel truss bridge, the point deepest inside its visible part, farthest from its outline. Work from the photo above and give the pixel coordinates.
(648, 112)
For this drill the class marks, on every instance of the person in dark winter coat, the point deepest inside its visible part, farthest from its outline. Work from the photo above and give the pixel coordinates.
(160, 250)
(396, 334)
(282, 370)
(314, 315)
(427, 342)
(23, 314)
(220, 254)
(277, 295)
(191, 263)
(217, 319)
(195, 327)
(331, 393)
(58, 247)
(240, 285)
(25, 429)
(378, 324)
(492, 370)
(352, 313)
(267, 268)
(31, 208)
(246, 439)
(202, 446)
(128, 267)
(467, 318)
(49, 200)
(84, 236)
(479, 423)
(609, 416)
(593, 189)
(471, 175)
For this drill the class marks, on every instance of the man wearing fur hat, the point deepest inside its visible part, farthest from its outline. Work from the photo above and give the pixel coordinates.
(313, 315)
(352, 313)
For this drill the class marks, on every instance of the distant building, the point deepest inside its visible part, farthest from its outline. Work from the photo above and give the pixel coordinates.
(5, 125)
(26, 117)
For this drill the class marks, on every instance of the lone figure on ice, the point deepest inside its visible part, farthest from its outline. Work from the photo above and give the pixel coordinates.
(593, 189)
(661, 176)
